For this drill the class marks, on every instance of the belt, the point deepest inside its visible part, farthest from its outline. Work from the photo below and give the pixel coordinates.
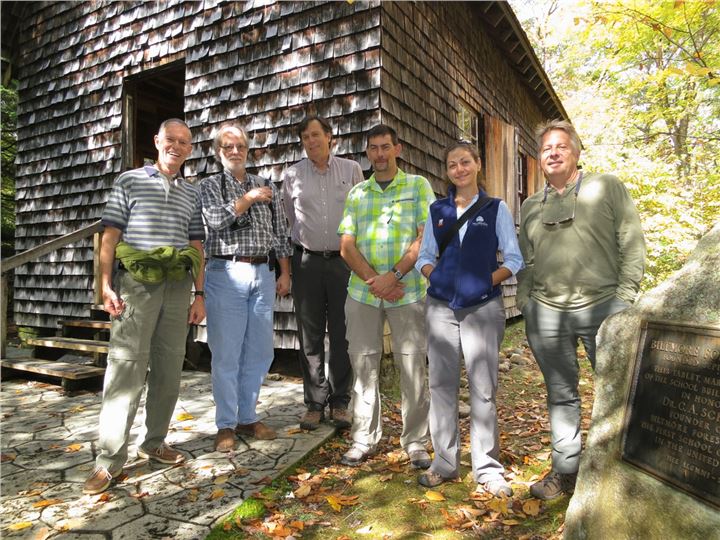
(240, 258)
(324, 254)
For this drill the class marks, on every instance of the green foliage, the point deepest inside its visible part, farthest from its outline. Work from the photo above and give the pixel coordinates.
(641, 82)
(8, 146)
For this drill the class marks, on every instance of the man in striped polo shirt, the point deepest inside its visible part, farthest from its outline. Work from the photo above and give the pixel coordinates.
(381, 231)
(153, 227)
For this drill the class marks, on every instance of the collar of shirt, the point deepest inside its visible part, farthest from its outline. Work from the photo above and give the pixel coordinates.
(315, 170)
(399, 179)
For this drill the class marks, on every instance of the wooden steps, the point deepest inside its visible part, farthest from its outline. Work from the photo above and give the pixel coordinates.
(68, 372)
(96, 325)
(74, 344)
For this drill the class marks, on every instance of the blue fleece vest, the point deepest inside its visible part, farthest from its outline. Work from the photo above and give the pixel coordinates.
(463, 274)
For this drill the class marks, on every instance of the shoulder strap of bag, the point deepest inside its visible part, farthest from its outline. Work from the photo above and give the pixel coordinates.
(460, 222)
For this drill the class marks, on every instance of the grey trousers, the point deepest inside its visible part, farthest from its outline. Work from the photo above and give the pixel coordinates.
(365, 325)
(319, 292)
(553, 337)
(476, 334)
(147, 348)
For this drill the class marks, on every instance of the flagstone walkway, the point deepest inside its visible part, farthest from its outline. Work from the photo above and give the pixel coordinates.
(48, 438)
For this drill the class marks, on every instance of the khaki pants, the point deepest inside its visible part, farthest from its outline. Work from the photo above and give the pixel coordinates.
(364, 333)
(147, 344)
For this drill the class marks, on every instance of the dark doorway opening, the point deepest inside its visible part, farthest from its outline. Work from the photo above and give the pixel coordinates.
(148, 99)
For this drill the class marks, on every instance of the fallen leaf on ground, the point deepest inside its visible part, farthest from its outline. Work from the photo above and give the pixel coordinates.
(221, 480)
(364, 530)
(434, 496)
(20, 526)
(216, 494)
(498, 505)
(531, 507)
(47, 502)
(385, 477)
(303, 491)
(334, 502)
(4, 458)
(510, 522)
(293, 431)
(184, 416)
(74, 447)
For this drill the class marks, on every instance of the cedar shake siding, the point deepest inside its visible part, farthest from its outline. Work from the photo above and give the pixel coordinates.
(94, 75)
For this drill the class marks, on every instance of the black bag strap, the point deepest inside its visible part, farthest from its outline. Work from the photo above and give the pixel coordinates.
(482, 201)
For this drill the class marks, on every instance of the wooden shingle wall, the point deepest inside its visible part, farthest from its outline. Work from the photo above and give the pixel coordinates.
(435, 54)
(265, 64)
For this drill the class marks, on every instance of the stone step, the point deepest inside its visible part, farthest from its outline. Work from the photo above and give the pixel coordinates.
(66, 371)
(74, 344)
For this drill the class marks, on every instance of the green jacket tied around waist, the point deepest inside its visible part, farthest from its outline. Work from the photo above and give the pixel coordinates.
(159, 264)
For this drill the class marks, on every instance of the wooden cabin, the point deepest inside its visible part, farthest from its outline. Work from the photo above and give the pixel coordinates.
(97, 78)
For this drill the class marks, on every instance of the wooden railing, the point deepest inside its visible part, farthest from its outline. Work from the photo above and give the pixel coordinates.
(35, 253)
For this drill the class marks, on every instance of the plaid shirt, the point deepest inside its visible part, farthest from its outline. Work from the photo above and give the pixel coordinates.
(384, 224)
(251, 234)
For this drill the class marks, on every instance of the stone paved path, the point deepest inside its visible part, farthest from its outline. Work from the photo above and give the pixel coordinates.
(48, 440)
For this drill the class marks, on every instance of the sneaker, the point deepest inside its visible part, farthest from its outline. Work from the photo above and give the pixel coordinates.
(497, 487)
(431, 479)
(162, 454)
(341, 417)
(256, 430)
(355, 456)
(99, 480)
(554, 485)
(225, 440)
(419, 459)
(311, 420)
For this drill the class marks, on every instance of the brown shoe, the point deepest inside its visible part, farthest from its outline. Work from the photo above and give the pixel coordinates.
(256, 430)
(162, 454)
(311, 420)
(99, 480)
(225, 440)
(554, 485)
(342, 418)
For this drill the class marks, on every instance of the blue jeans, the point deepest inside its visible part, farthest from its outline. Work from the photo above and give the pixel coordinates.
(240, 299)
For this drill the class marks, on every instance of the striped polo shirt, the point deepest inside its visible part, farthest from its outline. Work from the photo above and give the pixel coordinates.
(151, 217)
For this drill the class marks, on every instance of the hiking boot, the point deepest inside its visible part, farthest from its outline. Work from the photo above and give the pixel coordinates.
(225, 440)
(420, 459)
(162, 454)
(553, 485)
(256, 430)
(99, 480)
(311, 420)
(430, 479)
(355, 456)
(341, 417)
(497, 487)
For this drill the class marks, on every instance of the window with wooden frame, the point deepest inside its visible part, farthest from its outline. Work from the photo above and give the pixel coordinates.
(471, 127)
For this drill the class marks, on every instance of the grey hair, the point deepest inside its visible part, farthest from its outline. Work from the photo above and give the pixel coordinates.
(226, 126)
(562, 125)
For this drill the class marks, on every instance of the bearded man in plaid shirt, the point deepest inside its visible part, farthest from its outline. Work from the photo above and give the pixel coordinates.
(380, 232)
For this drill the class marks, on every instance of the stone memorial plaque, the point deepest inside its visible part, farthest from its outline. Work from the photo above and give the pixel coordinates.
(672, 421)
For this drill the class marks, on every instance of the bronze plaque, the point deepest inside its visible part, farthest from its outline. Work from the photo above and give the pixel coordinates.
(672, 421)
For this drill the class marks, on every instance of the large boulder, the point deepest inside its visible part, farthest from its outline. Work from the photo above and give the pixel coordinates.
(614, 499)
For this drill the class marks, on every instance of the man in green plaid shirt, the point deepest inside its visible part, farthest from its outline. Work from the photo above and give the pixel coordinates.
(380, 232)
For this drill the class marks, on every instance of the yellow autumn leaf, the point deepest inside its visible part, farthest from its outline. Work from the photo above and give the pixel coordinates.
(47, 502)
(216, 494)
(184, 416)
(74, 447)
(221, 480)
(498, 505)
(713, 81)
(334, 503)
(510, 522)
(531, 507)
(434, 496)
(20, 526)
(303, 491)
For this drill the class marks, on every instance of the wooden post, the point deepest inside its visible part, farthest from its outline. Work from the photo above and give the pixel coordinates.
(3, 314)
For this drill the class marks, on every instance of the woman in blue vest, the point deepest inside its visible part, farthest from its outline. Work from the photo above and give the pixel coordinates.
(465, 316)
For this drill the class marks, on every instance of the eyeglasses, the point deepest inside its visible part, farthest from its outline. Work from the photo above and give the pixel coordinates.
(559, 220)
(229, 147)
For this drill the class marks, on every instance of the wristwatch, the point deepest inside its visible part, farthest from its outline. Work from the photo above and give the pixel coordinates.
(199, 293)
(397, 273)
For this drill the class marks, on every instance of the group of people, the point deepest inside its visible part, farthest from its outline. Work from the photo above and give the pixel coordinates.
(356, 253)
